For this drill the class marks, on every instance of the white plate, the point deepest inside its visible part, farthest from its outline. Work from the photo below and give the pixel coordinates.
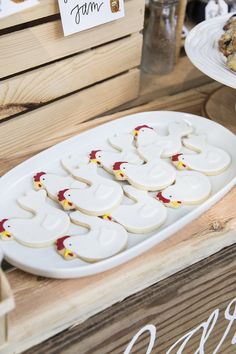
(46, 261)
(201, 46)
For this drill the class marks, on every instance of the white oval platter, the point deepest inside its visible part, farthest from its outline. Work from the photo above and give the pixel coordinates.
(201, 46)
(46, 261)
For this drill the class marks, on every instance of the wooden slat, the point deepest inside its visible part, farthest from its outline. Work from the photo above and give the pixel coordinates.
(44, 43)
(175, 306)
(60, 78)
(18, 136)
(43, 9)
(47, 122)
(44, 307)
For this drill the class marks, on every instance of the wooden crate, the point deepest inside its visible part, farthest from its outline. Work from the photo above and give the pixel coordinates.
(67, 79)
(6, 305)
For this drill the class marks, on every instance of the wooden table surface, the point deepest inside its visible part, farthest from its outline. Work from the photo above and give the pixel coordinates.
(45, 307)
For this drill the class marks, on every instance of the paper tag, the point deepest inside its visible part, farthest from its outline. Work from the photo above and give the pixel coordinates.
(79, 15)
(9, 7)
(215, 8)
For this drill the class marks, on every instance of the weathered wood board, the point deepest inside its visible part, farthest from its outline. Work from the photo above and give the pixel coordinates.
(45, 43)
(32, 89)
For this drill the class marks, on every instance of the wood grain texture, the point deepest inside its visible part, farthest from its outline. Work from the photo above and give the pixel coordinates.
(221, 106)
(45, 307)
(175, 306)
(43, 9)
(40, 86)
(44, 43)
(49, 124)
(18, 135)
(185, 76)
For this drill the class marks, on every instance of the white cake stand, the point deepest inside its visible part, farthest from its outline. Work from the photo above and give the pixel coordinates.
(201, 46)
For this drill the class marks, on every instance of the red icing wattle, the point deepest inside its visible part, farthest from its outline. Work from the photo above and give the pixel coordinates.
(116, 166)
(38, 175)
(61, 195)
(175, 157)
(1, 225)
(60, 242)
(161, 198)
(142, 126)
(93, 153)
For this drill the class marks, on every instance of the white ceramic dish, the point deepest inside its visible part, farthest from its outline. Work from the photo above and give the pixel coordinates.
(46, 261)
(201, 46)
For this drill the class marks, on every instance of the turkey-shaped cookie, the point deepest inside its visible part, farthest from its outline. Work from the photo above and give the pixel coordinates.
(170, 144)
(54, 183)
(42, 229)
(190, 188)
(100, 196)
(103, 240)
(209, 160)
(145, 215)
(155, 174)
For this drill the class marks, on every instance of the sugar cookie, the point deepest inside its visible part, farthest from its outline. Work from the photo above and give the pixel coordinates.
(171, 144)
(190, 188)
(155, 174)
(210, 160)
(47, 224)
(145, 215)
(101, 195)
(107, 158)
(54, 183)
(103, 240)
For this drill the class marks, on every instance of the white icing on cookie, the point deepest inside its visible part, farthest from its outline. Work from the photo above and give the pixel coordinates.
(190, 188)
(170, 144)
(146, 215)
(47, 224)
(210, 160)
(100, 197)
(103, 240)
(107, 158)
(155, 174)
(73, 161)
(54, 183)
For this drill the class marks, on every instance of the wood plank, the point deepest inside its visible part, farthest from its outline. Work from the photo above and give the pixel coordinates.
(174, 306)
(39, 125)
(45, 84)
(71, 302)
(185, 76)
(45, 43)
(43, 9)
(18, 136)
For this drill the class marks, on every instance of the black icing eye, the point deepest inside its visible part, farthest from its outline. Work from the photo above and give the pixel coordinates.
(70, 244)
(8, 226)
(68, 195)
(170, 196)
(43, 179)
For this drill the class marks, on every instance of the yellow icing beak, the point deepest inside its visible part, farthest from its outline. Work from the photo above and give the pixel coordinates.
(67, 205)
(38, 186)
(95, 161)
(107, 217)
(5, 235)
(135, 133)
(120, 175)
(66, 254)
(69, 255)
(176, 204)
(181, 166)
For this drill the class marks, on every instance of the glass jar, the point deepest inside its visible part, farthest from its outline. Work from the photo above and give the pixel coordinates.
(160, 38)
